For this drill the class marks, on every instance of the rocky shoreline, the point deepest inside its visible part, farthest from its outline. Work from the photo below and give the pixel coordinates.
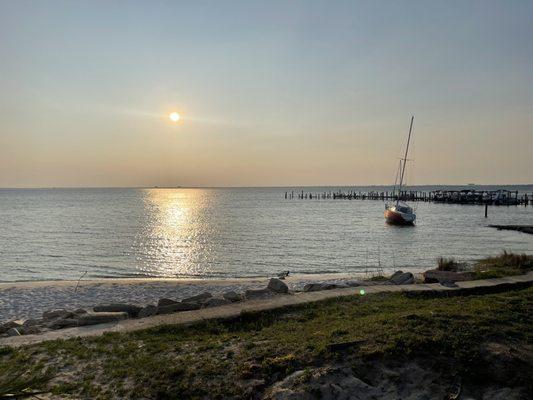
(72, 314)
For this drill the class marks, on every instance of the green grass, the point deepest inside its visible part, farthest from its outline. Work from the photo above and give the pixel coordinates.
(505, 264)
(214, 359)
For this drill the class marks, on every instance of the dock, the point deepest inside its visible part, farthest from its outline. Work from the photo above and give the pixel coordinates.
(499, 197)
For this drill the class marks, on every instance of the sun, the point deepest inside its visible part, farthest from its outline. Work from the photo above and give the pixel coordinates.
(174, 116)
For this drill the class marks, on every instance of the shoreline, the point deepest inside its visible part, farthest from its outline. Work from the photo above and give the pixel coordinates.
(292, 278)
(27, 300)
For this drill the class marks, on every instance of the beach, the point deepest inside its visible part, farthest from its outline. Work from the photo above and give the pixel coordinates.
(21, 300)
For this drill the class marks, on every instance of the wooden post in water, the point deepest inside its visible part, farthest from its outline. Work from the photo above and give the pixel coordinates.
(486, 210)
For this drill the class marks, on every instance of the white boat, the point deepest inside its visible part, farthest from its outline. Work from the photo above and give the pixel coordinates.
(400, 213)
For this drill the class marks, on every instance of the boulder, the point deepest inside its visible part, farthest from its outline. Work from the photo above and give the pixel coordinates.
(31, 322)
(353, 283)
(147, 311)
(52, 314)
(215, 302)
(31, 330)
(232, 296)
(435, 276)
(101, 318)
(199, 298)
(166, 302)
(447, 283)
(172, 308)
(6, 326)
(61, 323)
(315, 287)
(13, 332)
(278, 286)
(402, 278)
(257, 293)
(131, 309)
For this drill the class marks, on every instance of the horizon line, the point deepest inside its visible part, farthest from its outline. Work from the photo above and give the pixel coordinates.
(254, 187)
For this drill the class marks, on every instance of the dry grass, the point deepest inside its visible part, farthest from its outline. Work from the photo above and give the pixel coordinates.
(505, 264)
(449, 264)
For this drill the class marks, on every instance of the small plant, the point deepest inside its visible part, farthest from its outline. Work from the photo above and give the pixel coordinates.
(449, 264)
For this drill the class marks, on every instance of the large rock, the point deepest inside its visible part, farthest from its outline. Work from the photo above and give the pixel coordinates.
(62, 323)
(147, 311)
(258, 293)
(131, 309)
(435, 276)
(6, 326)
(278, 286)
(31, 330)
(13, 332)
(101, 318)
(52, 314)
(172, 308)
(317, 286)
(31, 322)
(166, 302)
(402, 278)
(199, 298)
(215, 302)
(232, 296)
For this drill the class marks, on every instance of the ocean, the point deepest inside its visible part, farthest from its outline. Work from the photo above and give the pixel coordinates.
(55, 234)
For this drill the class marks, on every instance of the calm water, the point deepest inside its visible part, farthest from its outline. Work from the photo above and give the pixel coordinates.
(60, 233)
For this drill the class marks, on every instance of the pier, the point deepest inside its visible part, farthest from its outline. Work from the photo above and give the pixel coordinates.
(481, 197)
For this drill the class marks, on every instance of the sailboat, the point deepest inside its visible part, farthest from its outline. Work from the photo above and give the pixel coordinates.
(400, 213)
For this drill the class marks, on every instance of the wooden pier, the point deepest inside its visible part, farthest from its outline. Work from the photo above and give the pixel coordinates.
(480, 197)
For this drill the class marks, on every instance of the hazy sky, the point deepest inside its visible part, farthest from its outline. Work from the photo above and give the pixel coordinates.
(271, 93)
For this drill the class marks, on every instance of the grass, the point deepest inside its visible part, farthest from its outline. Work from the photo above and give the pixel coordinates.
(449, 264)
(505, 264)
(218, 359)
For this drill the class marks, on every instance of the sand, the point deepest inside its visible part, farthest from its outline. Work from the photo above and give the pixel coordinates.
(21, 300)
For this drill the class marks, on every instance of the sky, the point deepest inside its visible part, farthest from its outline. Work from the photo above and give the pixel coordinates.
(271, 93)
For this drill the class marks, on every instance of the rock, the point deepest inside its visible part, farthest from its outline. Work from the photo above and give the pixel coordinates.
(57, 314)
(232, 296)
(215, 302)
(147, 311)
(315, 287)
(278, 286)
(172, 308)
(31, 322)
(436, 276)
(402, 278)
(13, 332)
(199, 298)
(80, 311)
(31, 330)
(448, 283)
(6, 326)
(353, 283)
(62, 323)
(166, 302)
(101, 318)
(131, 309)
(257, 293)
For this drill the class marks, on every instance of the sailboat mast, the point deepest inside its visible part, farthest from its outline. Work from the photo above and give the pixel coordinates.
(405, 159)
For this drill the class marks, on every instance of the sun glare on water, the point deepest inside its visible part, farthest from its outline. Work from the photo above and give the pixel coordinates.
(174, 116)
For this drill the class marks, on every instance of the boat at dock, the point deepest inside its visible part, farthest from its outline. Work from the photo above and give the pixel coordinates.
(400, 213)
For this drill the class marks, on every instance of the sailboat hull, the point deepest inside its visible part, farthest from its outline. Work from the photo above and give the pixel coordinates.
(397, 218)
